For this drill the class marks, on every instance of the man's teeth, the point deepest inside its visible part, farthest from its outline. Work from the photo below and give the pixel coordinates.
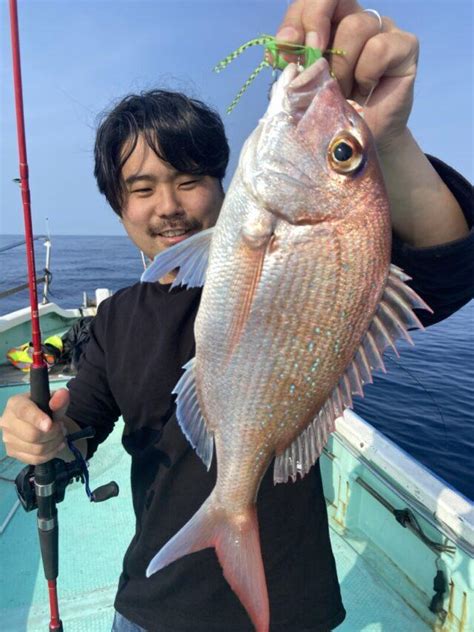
(174, 233)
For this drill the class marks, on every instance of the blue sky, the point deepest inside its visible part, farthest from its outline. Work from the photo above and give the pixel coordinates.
(79, 56)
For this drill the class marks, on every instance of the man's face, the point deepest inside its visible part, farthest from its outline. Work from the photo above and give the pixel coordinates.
(163, 206)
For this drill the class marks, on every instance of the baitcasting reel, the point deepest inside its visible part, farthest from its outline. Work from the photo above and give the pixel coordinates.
(64, 473)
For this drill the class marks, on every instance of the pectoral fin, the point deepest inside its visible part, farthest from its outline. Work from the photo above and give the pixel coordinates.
(253, 270)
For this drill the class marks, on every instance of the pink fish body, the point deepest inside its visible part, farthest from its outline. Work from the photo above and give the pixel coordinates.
(299, 303)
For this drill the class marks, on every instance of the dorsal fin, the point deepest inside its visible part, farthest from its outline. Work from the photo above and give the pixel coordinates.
(190, 417)
(191, 256)
(392, 319)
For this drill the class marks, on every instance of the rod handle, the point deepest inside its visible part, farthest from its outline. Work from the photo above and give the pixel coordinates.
(39, 388)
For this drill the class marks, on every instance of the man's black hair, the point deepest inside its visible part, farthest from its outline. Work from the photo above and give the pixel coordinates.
(182, 131)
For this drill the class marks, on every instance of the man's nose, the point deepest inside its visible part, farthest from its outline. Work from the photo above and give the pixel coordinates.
(169, 204)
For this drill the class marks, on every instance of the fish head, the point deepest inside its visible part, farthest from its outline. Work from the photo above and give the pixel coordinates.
(312, 157)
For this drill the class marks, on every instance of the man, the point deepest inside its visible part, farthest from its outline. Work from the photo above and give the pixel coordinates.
(160, 160)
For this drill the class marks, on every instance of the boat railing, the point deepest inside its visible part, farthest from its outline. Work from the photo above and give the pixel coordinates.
(45, 278)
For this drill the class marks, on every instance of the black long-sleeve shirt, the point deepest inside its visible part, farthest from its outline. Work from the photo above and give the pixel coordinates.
(140, 339)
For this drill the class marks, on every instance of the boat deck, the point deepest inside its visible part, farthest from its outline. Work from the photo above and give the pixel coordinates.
(92, 542)
(11, 376)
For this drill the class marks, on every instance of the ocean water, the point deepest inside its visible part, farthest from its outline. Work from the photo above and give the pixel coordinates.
(424, 403)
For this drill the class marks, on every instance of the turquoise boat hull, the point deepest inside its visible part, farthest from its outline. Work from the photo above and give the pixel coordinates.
(386, 569)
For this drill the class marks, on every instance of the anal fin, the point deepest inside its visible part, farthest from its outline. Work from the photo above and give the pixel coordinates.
(190, 417)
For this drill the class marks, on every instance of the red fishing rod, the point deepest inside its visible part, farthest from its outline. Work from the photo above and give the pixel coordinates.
(44, 475)
(43, 486)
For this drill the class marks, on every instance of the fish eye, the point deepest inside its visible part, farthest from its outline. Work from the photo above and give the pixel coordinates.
(345, 154)
(342, 152)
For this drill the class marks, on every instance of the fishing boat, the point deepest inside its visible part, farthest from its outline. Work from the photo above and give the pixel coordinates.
(402, 537)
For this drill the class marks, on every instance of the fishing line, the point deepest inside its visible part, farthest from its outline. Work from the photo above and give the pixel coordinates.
(366, 102)
(413, 376)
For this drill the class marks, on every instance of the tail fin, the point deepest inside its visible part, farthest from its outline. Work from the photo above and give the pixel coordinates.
(237, 543)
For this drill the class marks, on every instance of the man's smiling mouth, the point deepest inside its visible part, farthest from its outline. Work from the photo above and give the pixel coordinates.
(174, 232)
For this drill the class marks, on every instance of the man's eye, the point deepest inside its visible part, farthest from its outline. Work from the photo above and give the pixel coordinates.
(189, 184)
(143, 191)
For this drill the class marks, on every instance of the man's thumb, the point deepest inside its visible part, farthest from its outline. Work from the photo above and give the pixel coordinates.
(59, 402)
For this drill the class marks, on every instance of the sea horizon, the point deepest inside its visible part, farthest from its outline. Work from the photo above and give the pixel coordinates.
(424, 404)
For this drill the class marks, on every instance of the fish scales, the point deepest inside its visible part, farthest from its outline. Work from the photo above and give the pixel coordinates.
(276, 337)
(298, 265)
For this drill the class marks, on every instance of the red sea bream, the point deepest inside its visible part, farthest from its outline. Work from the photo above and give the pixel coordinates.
(298, 305)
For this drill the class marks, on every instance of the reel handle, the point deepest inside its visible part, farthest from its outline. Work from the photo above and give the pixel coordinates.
(104, 492)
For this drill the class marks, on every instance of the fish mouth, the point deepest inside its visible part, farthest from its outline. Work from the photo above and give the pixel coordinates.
(305, 86)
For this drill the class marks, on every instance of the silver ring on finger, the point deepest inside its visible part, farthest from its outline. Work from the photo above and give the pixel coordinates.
(377, 15)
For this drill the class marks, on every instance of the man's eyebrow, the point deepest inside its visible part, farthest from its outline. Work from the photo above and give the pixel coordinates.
(140, 177)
